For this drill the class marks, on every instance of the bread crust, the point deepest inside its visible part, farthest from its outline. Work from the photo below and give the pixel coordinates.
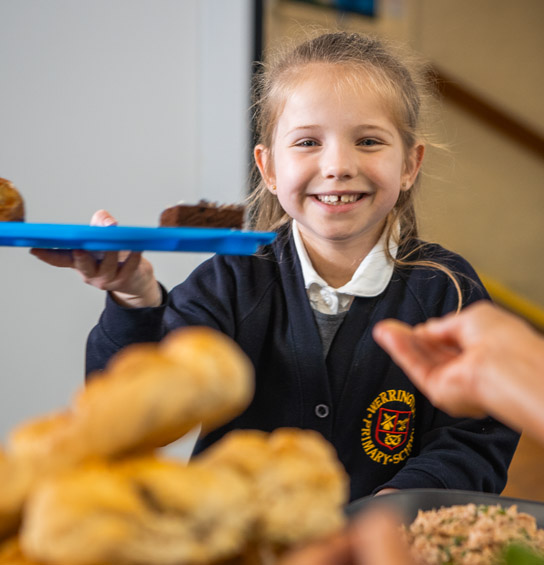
(298, 483)
(139, 511)
(12, 206)
(148, 396)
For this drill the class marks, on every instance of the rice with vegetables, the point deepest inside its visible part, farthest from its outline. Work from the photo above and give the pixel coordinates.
(471, 534)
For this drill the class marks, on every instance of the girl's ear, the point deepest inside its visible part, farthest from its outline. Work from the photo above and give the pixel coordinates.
(263, 161)
(412, 165)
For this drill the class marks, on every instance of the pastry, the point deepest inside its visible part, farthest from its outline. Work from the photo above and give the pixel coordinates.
(12, 207)
(138, 511)
(298, 483)
(156, 393)
(148, 396)
(11, 553)
(203, 214)
(51, 442)
(16, 480)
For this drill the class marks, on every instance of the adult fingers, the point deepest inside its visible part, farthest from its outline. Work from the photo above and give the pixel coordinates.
(412, 355)
(377, 539)
(464, 327)
(335, 550)
(453, 388)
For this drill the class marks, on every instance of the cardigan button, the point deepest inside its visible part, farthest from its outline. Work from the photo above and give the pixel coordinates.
(322, 410)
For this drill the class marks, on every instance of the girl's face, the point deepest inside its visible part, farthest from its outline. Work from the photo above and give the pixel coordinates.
(337, 163)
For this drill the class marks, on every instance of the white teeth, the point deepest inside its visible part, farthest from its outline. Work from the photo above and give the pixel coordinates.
(335, 199)
(328, 198)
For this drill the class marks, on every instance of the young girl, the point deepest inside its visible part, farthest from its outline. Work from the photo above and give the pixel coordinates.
(339, 154)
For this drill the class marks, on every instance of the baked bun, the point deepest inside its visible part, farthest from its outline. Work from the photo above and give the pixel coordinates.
(16, 480)
(11, 553)
(148, 396)
(203, 214)
(142, 511)
(12, 207)
(298, 483)
(220, 370)
(156, 393)
(51, 442)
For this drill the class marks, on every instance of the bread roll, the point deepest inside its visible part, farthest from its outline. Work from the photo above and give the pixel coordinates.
(148, 396)
(12, 206)
(151, 395)
(11, 553)
(16, 480)
(218, 366)
(140, 511)
(298, 483)
(50, 443)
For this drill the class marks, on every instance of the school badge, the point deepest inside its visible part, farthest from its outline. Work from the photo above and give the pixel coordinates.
(387, 435)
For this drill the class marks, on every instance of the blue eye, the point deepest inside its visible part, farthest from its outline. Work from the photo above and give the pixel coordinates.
(369, 142)
(307, 143)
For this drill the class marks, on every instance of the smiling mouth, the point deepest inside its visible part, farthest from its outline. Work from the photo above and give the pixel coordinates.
(338, 199)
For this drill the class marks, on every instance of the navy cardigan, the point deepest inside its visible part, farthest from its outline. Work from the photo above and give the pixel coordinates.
(385, 432)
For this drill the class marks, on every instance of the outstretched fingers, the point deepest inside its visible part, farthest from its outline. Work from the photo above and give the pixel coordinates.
(112, 272)
(414, 355)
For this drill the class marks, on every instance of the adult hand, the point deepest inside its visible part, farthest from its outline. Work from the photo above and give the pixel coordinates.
(374, 538)
(126, 274)
(480, 361)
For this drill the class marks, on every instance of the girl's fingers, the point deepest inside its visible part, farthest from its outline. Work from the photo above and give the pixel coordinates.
(130, 264)
(103, 218)
(84, 263)
(108, 267)
(56, 258)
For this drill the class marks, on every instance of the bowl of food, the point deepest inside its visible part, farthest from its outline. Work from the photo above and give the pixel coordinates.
(463, 527)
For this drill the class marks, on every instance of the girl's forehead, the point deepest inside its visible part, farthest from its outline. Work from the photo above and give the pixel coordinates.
(335, 84)
(337, 81)
(336, 76)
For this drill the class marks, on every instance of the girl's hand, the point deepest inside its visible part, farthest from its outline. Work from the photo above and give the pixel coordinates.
(126, 274)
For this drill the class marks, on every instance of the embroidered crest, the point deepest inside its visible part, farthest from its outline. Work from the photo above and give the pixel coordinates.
(387, 435)
(392, 427)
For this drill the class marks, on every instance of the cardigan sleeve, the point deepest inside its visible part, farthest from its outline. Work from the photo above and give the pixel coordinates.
(118, 327)
(460, 454)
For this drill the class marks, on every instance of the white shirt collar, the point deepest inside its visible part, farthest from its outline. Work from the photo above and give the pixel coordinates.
(370, 279)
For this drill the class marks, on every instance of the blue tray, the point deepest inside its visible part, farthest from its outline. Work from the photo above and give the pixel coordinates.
(127, 238)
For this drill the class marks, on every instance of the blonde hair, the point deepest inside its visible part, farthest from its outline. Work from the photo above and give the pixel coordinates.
(404, 83)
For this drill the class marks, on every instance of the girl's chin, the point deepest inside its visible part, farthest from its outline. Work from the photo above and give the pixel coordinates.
(333, 235)
(341, 235)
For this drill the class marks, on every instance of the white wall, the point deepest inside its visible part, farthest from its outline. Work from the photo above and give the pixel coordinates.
(128, 105)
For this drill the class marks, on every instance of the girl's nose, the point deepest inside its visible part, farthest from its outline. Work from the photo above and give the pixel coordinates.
(338, 162)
